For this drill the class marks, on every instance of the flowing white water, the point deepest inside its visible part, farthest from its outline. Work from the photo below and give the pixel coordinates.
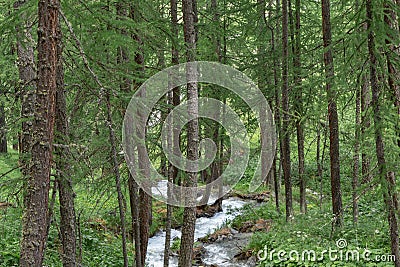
(204, 226)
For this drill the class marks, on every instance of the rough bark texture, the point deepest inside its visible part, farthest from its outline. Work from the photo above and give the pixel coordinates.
(189, 214)
(387, 178)
(34, 232)
(27, 76)
(285, 134)
(332, 115)
(62, 158)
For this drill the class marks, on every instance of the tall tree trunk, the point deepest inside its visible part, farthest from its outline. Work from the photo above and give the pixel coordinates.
(174, 100)
(115, 166)
(277, 116)
(144, 198)
(189, 213)
(27, 75)
(299, 108)
(122, 59)
(365, 124)
(333, 115)
(62, 152)
(356, 156)
(387, 178)
(143, 162)
(285, 134)
(134, 203)
(391, 20)
(3, 136)
(34, 230)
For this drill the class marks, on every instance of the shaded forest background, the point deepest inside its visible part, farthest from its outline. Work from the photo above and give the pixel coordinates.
(329, 70)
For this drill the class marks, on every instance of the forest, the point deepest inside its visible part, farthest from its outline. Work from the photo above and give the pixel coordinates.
(214, 133)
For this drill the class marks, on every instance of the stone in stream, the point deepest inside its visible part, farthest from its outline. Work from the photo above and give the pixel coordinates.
(217, 235)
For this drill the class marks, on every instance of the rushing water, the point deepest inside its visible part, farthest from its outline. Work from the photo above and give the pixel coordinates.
(204, 226)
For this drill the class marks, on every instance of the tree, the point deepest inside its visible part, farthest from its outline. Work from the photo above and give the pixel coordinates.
(356, 156)
(285, 131)
(387, 178)
(189, 214)
(63, 166)
(143, 161)
(332, 115)
(34, 222)
(391, 20)
(174, 140)
(27, 86)
(3, 136)
(298, 105)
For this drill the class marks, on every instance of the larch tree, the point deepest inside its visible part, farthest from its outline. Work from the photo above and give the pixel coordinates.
(27, 86)
(145, 200)
(387, 178)
(332, 115)
(63, 166)
(285, 131)
(3, 130)
(34, 222)
(189, 214)
(174, 140)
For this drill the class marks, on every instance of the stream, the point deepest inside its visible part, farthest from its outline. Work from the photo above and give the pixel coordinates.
(218, 253)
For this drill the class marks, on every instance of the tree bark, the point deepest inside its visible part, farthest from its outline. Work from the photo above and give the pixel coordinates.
(115, 165)
(34, 230)
(174, 99)
(27, 76)
(391, 20)
(62, 158)
(299, 108)
(365, 124)
(356, 156)
(332, 114)
(285, 134)
(143, 162)
(3, 136)
(189, 213)
(277, 116)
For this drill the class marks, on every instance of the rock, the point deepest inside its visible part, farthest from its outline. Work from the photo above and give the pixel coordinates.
(262, 225)
(217, 235)
(259, 197)
(246, 227)
(243, 255)
(259, 225)
(208, 210)
(197, 254)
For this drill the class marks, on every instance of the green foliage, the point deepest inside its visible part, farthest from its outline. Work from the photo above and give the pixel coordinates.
(312, 231)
